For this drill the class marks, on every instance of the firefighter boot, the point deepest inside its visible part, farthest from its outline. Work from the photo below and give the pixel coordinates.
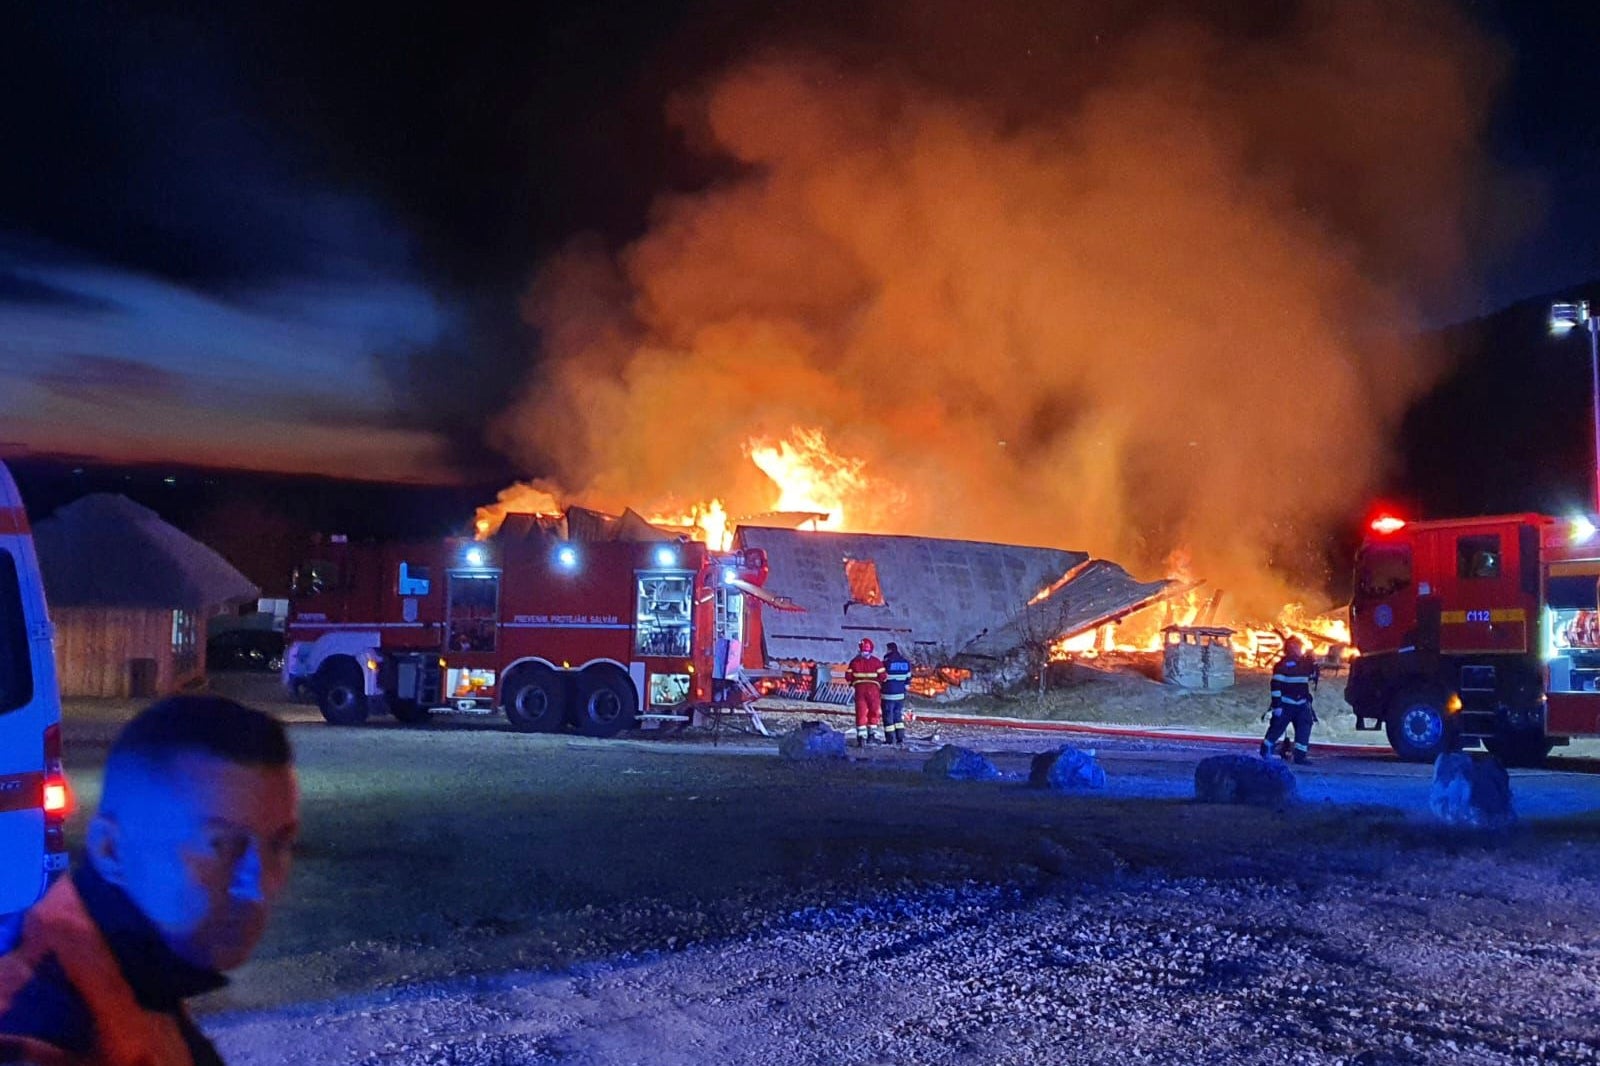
(900, 735)
(1266, 749)
(1301, 758)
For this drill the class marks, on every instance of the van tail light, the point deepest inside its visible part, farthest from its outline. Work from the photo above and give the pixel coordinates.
(57, 794)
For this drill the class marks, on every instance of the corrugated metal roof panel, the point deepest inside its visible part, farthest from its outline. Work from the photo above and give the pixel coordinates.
(1100, 592)
(937, 593)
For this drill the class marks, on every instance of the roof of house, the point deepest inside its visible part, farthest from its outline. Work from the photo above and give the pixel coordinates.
(943, 597)
(104, 550)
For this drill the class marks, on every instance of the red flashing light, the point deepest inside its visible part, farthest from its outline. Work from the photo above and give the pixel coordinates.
(57, 796)
(1388, 523)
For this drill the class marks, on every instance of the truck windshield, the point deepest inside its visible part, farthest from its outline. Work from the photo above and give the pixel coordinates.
(16, 669)
(313, 576)
(1383, 569)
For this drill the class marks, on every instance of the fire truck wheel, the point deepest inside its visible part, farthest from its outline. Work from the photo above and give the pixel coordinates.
(606, 704)
(340, 693)
(535, 700)
(1416, 724)
(1519, 749)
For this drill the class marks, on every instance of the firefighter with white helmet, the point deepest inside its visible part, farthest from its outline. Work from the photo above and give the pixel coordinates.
(866, 675)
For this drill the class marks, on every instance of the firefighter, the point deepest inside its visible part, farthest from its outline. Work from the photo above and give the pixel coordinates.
(1294, 679)
(896, 679)
(865, 674)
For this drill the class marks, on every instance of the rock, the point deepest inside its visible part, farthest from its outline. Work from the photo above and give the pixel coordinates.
(960, 764)
(1066, 768)
(1243, 779)
(813, 740)
(1475, 793)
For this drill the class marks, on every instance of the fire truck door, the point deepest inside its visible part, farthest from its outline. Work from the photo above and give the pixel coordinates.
(1383, 612)
(472, 610)
(1486, 612)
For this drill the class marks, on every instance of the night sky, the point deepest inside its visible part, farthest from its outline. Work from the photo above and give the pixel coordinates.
(290, 236)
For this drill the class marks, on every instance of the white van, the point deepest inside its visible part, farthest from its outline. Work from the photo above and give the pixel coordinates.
(34, 800)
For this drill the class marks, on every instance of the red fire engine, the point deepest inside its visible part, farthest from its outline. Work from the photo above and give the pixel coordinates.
(1477, 630)
(552, 631)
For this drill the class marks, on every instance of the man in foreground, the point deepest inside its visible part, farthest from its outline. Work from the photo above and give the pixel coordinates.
(187, 854)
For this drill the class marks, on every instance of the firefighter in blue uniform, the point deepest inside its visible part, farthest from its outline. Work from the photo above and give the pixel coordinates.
(1294, 679)
(897, 678)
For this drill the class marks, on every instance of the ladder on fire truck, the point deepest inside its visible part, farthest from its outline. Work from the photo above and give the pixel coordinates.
(732, 694)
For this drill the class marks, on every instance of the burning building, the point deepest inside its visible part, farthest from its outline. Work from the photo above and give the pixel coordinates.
(964, 605)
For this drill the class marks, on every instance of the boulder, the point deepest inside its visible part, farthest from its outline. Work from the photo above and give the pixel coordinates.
(1474, 793)
(1243, 779)
(813, 740)
(1066, 768)
(960, 764)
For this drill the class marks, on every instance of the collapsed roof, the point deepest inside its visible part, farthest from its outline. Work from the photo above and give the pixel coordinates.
(940, 599)
(581, 524)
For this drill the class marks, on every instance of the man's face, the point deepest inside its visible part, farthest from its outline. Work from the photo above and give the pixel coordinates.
(204, 851)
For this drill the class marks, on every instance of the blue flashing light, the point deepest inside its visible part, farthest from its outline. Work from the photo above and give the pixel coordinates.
(567, 557)
(476, 556)
(666, 557)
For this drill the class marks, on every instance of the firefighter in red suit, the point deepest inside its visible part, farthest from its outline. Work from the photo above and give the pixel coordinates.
(866, 674)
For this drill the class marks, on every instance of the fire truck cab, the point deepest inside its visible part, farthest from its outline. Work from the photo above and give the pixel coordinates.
(552, 632)
(1477, 630)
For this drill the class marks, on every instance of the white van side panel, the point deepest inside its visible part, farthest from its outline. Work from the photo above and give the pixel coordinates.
(22, 729)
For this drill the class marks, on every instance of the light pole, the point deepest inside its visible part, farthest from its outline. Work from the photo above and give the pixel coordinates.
(1563, 317)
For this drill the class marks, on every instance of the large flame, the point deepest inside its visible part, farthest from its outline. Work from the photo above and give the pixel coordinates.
(811, 477)
(805, 476)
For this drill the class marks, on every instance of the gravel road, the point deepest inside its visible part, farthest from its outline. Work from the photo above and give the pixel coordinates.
(1155, 970)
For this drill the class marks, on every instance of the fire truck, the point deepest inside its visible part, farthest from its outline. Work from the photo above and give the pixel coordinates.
(553, 632)
(1477, 630)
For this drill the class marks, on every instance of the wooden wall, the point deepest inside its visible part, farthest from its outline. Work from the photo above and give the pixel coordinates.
(96, 648)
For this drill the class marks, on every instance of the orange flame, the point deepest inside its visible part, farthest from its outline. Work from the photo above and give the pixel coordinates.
(810, 476)
(707, 522)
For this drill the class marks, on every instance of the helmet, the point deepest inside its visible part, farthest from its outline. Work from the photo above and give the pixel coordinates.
(865, 645)
(1295, 646)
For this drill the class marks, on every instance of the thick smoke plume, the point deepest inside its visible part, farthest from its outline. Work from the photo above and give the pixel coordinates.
(1168, 310)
